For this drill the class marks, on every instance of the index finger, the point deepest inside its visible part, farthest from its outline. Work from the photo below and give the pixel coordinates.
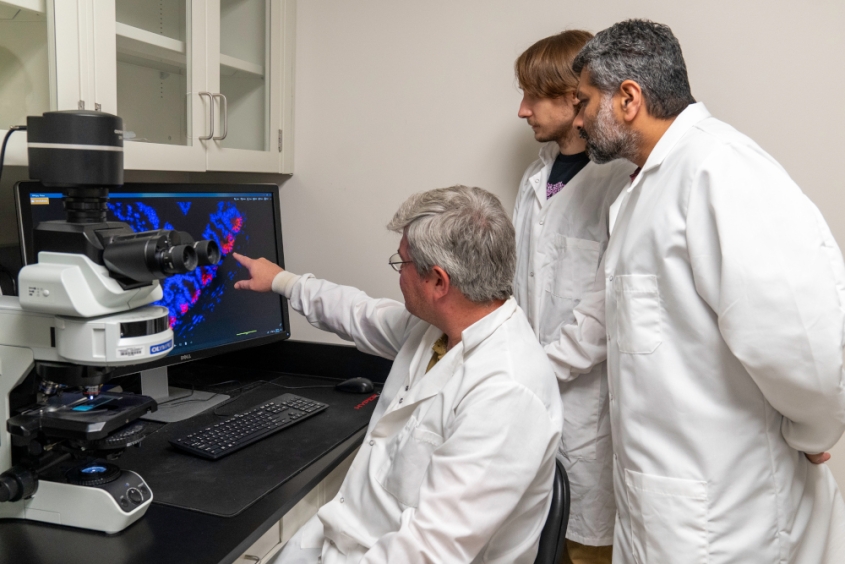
(243, 260)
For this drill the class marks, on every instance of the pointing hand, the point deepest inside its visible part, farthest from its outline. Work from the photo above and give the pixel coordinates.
(261, 273)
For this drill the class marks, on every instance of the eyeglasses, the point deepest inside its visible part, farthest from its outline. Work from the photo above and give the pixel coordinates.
(396, 262)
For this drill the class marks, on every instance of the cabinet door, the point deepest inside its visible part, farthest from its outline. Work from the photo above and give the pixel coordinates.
(158, 61)
(250, 60)
(39, 64)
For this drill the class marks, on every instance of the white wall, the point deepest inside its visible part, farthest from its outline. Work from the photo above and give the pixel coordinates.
(395, 97)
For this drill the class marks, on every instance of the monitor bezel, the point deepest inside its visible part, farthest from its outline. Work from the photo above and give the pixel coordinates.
(26, 231)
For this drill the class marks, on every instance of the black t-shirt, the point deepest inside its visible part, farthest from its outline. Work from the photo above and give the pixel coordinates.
(563, 170)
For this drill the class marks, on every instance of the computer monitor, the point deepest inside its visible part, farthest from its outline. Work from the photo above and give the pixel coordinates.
(207, 315)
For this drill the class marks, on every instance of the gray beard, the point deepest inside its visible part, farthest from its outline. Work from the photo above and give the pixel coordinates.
(608, 141)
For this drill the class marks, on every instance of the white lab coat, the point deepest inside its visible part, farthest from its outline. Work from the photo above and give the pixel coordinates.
(559, 284)
(457, 463)
(725, 314)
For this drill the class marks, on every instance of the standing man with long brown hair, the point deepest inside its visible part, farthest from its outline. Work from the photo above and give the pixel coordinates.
(561, 221)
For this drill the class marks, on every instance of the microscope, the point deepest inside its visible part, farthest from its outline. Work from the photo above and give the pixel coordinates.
(82, 311)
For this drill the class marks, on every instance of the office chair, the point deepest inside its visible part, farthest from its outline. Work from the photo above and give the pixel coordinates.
(553, 537)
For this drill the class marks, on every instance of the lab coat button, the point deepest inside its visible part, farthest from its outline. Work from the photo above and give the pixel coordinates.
(341, 500)
(406, 388)
(542, 221)
(531, 275)
(610, 279)
(372, 442)
(400, 400)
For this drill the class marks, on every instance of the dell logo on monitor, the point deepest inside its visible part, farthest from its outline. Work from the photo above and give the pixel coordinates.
(185, 357)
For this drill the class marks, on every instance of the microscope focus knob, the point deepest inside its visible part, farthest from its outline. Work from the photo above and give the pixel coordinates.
(17, 483)
(134, 495)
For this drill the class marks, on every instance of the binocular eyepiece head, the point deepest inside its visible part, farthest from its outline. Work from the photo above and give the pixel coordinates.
(154, 255)
(180, 259)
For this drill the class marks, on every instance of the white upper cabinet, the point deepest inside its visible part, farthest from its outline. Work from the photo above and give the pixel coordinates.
(25, 78)
(250, 61)
(157, 51)
(200, 84)
(205, 84)
(46, 63)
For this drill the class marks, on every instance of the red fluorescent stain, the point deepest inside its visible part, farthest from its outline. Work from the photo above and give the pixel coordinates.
(237, 224)
(229, 244)
(184, 308)
(206, 278)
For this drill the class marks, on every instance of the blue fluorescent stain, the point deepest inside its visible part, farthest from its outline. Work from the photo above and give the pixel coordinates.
(182, 291)
(140, 217)
(184, 206)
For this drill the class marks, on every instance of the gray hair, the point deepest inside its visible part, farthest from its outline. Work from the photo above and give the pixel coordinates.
(645, 52)
(466, 232)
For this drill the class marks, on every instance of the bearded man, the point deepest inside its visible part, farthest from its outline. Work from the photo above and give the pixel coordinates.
(725, 312)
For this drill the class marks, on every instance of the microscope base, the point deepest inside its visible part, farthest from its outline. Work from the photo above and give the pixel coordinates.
(109, 508)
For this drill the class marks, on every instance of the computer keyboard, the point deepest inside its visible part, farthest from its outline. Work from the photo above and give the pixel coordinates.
(242, 429)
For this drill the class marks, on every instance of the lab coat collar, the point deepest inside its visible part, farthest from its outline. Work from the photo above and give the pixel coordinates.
(471, 337)
(548, 153)
(432, 382)
(478, 332)
(686, 120)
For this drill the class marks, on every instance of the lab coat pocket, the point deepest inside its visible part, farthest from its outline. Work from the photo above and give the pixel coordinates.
(638, 313)
(409, 466)
(575, 266)
(668, 519)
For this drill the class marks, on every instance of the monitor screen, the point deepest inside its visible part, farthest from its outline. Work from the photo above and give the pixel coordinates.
(207, 315)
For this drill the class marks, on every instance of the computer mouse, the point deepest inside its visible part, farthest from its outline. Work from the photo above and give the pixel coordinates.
(355, 386)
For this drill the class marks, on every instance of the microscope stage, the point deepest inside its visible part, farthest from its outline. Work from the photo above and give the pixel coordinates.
(76, 416)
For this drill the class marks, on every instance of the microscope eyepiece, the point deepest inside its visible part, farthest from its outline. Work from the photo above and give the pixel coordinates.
(178, 259)
(208, 253)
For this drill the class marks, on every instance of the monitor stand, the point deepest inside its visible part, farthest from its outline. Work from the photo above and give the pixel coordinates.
(174, 404)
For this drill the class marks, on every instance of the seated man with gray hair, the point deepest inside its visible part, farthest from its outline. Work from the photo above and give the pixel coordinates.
(459, 456)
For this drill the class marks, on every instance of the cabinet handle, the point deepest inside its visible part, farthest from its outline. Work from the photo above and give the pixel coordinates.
(210, 114)
(224, 111)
